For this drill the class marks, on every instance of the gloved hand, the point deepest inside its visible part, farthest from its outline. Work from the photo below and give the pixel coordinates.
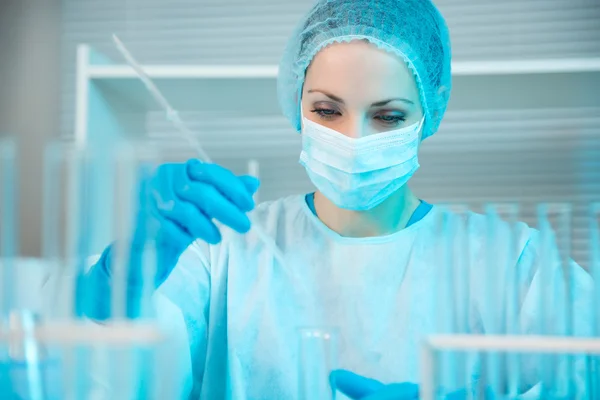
(181, 202)
(358, 387)
(177, 206)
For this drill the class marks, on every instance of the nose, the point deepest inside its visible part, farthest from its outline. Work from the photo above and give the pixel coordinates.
(355, 127)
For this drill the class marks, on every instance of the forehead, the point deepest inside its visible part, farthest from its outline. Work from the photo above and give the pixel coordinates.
(360, 71)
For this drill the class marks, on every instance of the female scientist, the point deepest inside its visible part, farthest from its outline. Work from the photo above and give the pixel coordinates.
(364, 82)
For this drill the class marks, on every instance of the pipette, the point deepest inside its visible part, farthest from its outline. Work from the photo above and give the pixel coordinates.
(188, 135)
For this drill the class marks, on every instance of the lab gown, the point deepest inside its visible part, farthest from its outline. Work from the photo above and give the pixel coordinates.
(449, 272)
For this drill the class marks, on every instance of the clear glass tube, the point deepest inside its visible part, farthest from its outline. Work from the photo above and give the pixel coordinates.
(8, 224)
(594, 242)
(556, 303)
(92, 198)
(65, 216)
(317, 357)
(593, 378)
(501, 301)
(25, 356)
(452, 298)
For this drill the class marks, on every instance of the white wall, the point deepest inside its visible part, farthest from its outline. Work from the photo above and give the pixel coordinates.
(30, 98)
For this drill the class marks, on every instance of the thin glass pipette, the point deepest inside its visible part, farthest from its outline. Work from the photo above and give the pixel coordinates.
(173, 117)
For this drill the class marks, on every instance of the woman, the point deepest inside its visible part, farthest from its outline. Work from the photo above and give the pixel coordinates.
(364, 82)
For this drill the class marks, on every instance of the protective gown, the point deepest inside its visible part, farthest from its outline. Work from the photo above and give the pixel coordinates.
(242, 310)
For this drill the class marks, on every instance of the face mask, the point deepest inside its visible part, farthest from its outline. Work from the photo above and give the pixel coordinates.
(359, 174)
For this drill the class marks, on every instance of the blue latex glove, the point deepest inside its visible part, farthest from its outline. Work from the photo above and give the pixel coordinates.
(182, 201)
(358, 387)
(177, 205)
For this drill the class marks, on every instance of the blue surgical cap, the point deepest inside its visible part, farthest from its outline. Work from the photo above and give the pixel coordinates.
(414, 30)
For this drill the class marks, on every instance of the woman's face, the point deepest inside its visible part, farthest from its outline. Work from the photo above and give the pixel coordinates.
(359, 90)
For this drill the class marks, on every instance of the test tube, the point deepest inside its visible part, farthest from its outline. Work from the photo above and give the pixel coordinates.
(67, 228)
(556, 313)
(66, 224)
(317, 357)
(593, 379)
(93, 197)
(8, 252)
(452, 293)
(508, 290)
(501, 302)
(594, 226)
(8, 225)
(495, 266)
(26, 355)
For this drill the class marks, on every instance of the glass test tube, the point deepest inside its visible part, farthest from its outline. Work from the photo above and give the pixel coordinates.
(25, 356)
(556, 308)
(91, 198)
(494, 265)
(134, 264)
(67, 234)
(594, 243)
(593, 378)
(66, 225)
(500, 300)
(509, 302)
(8, 225)
(317, 357)
(452, 295)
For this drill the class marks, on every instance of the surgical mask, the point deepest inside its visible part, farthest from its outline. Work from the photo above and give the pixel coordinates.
(359, 174)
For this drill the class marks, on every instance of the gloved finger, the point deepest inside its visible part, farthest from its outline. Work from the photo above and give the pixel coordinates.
(214, 205)
(190, 219)
(250, 182)
(457, 395)
(229, 185)
(353, 385)
(396, 391)
(171, 232)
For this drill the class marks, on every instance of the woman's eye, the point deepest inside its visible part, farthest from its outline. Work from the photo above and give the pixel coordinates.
(326, 113)
(390, 120)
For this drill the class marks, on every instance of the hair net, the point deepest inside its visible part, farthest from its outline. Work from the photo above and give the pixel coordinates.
(414, 30)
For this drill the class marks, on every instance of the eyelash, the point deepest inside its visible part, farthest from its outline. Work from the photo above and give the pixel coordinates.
(326, 113)
(390, 120)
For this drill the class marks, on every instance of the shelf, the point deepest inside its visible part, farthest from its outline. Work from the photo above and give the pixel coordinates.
(527, 67)
(252, 89)
(120, 101)
(185, 72)
(258, 96)
(269, 71)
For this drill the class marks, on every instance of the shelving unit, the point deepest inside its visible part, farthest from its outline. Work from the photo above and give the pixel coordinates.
(493, 98)
(110, 99)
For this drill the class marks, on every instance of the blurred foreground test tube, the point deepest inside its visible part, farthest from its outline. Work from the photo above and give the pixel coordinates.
(317, 357)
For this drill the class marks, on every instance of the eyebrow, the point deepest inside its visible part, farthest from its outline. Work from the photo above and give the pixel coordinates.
(377, 104)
